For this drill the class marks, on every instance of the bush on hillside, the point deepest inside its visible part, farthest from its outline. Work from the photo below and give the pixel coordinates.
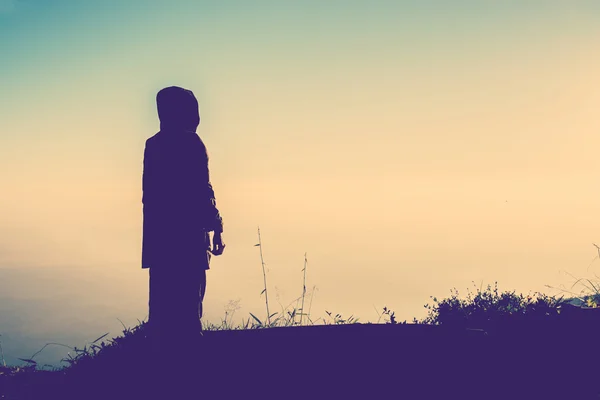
(487, 308)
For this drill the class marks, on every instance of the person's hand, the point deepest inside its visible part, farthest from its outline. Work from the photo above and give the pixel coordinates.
(218, 245)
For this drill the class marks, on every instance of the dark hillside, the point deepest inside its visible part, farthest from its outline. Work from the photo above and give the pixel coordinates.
(553, 358)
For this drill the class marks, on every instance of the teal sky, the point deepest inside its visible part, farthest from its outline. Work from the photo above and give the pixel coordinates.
(408, 146)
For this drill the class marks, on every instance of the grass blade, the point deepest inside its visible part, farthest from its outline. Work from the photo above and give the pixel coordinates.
(257, 320)
(101, 337)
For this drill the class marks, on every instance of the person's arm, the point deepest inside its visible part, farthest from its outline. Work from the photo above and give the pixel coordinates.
(147, 175)
(217, 225)
(214, 220)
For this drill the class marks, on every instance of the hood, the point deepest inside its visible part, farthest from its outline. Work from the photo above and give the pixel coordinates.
(177, 109)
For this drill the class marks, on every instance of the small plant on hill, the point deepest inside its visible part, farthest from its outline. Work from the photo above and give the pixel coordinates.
(486, 308)
(337, 319)
(589, 288)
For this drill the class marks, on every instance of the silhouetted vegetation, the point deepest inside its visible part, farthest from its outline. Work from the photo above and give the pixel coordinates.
(487, 309)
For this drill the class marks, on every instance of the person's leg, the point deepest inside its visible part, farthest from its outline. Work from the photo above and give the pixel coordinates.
(185, 307)
(153, 288)
(201, 296)
(196, 291)
(160, 315)
(202, 277)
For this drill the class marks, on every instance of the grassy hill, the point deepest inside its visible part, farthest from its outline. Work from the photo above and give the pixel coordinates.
(491, 345)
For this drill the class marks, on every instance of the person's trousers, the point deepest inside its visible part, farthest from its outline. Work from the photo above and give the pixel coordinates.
(175, 305)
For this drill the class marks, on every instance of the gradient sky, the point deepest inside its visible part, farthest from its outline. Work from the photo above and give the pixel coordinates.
(407, 147)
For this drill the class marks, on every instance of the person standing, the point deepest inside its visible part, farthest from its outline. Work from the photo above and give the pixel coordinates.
(179, 212)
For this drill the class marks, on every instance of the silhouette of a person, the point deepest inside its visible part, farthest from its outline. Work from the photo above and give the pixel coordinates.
(179, 211)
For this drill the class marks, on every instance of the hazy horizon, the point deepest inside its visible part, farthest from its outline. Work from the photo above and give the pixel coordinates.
(406, 147)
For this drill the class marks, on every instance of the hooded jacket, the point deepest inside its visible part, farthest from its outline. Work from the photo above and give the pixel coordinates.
(179, 206)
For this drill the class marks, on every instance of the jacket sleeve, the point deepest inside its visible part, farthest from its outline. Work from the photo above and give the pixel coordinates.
(214, 220)
(146, 175)
(147, 245)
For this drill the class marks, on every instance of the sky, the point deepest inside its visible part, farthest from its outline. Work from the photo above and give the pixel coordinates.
(407, 147)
